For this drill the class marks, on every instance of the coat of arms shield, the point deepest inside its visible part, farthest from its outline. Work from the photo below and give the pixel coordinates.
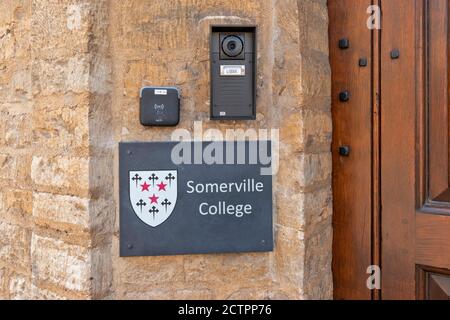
(153, 195)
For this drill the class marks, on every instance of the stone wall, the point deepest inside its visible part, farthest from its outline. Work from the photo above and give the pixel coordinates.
(70, 73)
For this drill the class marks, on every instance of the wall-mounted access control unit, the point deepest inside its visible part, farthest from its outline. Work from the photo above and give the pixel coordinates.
(233, 73)
(159, 106)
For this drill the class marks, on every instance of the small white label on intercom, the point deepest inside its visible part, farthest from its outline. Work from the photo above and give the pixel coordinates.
(223, 113)
(232, 71)
(160, 92)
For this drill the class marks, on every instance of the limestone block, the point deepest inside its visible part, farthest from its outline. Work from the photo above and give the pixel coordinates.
(19, 288)
(77, 79)
(249, 294)
(149, 294)
(15, 245)
(23, 171)
(291, 132)
(289, 257)
(315, 75)
(318, 275)
(59, 28)
(17, 132)
(4, 280)
(62, 123)
(18, 202)
(145, 271)
(317, 207)
(194, 294)
(101, 271)
(317, 26)
(289, 211)
(62, 209)
(244, 269)
(8, 165)
(61, 75)
(7, 42)
(38, 293)
(61, 264)
(315, 168)
(316, 130)
(288, 176)
(61, 174)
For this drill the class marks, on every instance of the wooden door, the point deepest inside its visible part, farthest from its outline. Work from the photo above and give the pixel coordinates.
(392, 191)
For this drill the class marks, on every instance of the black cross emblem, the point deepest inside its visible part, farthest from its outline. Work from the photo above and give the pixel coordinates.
(136, 179)
(170, 177)
(153, 178)
(153, 210)
(141, 204)
(166, 203)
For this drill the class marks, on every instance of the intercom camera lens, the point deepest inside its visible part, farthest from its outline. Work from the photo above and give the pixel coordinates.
(232, 46)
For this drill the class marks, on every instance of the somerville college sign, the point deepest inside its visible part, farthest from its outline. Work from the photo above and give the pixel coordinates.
(245, 186)
(168, 207)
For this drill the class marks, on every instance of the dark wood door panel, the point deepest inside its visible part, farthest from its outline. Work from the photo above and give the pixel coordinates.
(352, 127)
(398, 149)
(433, 240)
(437, 108)
(432, 236)
(438, 287)
(415, 148)
(433, 283)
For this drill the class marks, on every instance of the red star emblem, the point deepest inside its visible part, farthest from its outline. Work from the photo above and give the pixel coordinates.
(162, 186)
(154, 199)
(145, 186)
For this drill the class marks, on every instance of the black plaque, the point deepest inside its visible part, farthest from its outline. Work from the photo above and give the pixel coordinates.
(218, 208)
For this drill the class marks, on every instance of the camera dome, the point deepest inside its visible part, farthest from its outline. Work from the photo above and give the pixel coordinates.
(232, 46)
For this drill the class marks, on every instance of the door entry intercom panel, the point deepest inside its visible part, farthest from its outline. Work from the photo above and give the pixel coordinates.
(233, 73)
